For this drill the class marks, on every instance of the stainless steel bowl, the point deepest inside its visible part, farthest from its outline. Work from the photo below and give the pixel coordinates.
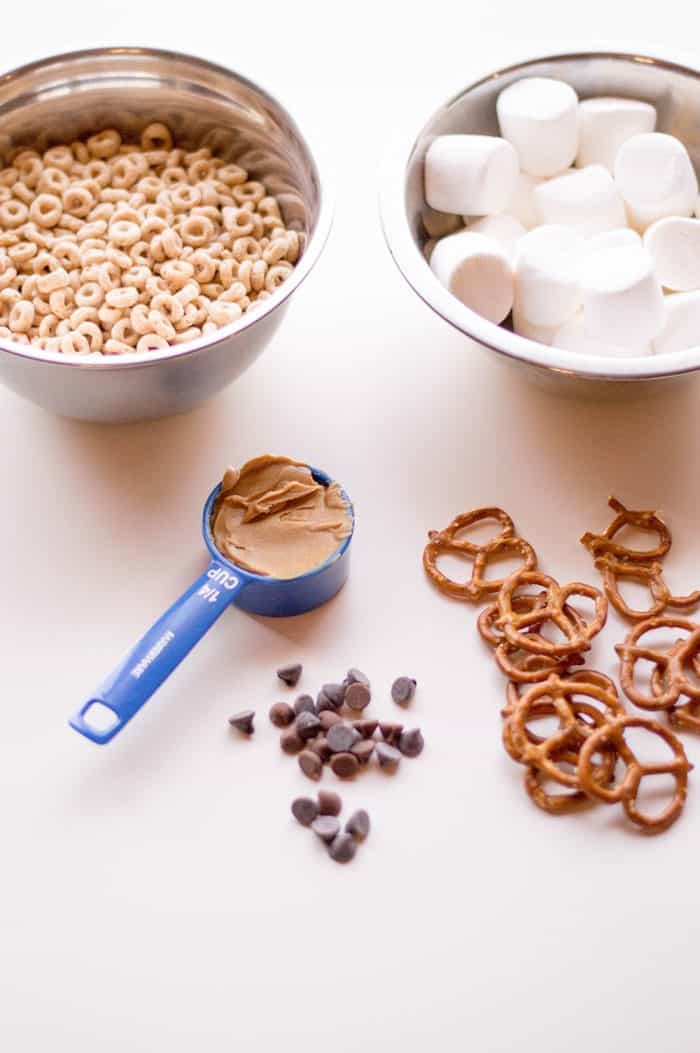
(61, 98)
(673, 89)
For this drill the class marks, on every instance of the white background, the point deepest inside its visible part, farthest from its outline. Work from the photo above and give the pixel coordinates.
(156, 894)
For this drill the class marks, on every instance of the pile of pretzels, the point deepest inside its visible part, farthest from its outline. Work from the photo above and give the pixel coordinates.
(538, 636)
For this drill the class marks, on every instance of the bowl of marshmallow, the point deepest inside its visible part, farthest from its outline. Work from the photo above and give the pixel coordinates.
(550, 212)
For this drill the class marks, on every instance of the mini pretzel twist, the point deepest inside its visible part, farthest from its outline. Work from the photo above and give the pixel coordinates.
(671, 677)
(603, 544)
(626, 790)
(566, 801)
(578, 633)
(650, 575)
(577, 720)
(503, 544)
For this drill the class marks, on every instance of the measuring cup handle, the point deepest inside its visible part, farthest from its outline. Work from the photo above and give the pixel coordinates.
(156, 654)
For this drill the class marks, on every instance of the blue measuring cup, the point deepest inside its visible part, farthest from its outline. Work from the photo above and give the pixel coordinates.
(174, 635)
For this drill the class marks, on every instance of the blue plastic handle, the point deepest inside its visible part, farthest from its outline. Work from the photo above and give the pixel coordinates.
(157, 653)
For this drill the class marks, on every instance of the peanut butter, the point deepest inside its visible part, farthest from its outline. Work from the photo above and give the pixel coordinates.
(272, 517)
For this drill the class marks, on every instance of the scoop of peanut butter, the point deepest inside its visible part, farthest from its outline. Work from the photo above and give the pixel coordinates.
(271, 517)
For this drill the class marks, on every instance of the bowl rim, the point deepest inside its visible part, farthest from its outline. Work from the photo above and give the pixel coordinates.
(416, 270)
(310, 256)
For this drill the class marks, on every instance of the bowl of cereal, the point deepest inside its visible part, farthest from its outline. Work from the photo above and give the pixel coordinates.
(156, 214)
(550, 213)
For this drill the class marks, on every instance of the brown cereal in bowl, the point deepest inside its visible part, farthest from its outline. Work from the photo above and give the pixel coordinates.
(110, 247)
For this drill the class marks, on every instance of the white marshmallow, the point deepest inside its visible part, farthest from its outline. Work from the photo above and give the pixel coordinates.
(504, 229)
(674, 246)
(477, 271)
(547, 287)
(622, 300)
(539, 116)
(614, 239)
(682, 328)
(572, 336)
(542, 334)
(656, 178)
(585, 198)
(522, 203)
(471, 175)
(604, 124)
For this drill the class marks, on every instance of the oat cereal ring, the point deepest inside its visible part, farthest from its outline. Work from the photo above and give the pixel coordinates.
(577, 633)
(13, 213)
(104, 144)
(673, 681)
(53, 181)
(277, 274)
(478, 586)
(612, 735)
(580, 707)
(59, 157)
(604, 544)
(156, 136)
(151, 342)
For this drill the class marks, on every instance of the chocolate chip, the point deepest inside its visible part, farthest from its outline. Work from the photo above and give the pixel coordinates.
(411, 742)
(391, 733)
(290, 674)
(243, 721)
(388, 756)
(304, 704)
(363, 750)
(356, 676)
(342, 848)
(329, 802)
(291, 742)
(308, 725)
(311, 764)
(358, 697)
(320, 747)
(345, 765)
(342, 737)
(366, 728)
(335, 693)
(281, 714)
(326, 827)
(328, 718)
(304, 810)
(358, 824)
(403, 689)
(324, 704)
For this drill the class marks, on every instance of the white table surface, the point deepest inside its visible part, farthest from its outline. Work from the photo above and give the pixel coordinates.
(156, 894)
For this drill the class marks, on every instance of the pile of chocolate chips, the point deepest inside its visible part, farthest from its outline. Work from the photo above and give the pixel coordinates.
(331, 730)
(322, 816)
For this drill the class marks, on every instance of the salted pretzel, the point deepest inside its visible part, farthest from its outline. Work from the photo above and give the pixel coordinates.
(478, 585)
(683, 716)
(674, 677)
(544, 706)
(468, 519)
(578, 632)
(487, 622)
(523, 667)
(603, 544)
(612, 734)
(650, 575)
(577, 719)
(514, 690)
(566, 801)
